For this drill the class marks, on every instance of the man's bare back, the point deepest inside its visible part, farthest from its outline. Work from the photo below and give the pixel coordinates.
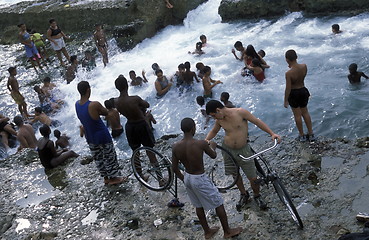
(296, 75)
(132, 107)
(26, 137)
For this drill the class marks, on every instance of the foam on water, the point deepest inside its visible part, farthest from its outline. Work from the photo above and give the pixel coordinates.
(337, 108)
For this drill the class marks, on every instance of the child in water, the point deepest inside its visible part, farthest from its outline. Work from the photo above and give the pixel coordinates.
(198, 49)
(257, 69)
(355, 76)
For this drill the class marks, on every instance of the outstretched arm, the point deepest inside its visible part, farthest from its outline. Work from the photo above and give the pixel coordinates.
(363, 74)
(213, 132)
(260, 124)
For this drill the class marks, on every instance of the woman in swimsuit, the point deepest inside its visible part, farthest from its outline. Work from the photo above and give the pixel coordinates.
(49, 157)
(257, 69)
(250, 54)
(56, 37)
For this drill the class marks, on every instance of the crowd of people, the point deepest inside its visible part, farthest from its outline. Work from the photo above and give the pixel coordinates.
(138, 128)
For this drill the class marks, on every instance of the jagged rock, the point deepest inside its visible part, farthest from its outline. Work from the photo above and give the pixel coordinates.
(240, 9)
(128, 21)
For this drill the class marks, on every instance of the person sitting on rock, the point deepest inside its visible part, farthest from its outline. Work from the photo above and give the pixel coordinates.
(43, 118)
(49, 156)
(6, 130)
(26, 134)
(62, 140)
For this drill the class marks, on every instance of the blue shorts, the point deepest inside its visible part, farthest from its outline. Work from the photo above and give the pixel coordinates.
(31, 51)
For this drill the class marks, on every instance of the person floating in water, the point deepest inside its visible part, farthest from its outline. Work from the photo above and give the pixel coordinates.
(162, 84)
(31, 50)
(49, 156)
(62, 140)
(198, 49)
(336, 29)
(208, 83)
(355, 76)
(101, 42)
(297, 95)
(88, 62)
(113, 119)
(13, 87)
(239, 47)
(137, 80)
(203, 40)
(42, 117)
(234, 121)
(257, 69)
(56, 37)
(224, 96)
(200, 189)
(70, 74)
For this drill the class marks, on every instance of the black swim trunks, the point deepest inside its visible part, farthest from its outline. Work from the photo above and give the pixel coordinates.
(299, 98)
(116, 132)
(2, 125)
(139, 133)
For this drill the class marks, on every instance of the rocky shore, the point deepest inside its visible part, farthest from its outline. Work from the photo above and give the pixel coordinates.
(248, 9)
(327, 181)
(128, 21)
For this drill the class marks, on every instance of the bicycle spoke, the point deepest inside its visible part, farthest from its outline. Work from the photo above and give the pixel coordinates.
(152, 169)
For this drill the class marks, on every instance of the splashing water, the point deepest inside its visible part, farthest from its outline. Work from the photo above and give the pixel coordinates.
(337, 108)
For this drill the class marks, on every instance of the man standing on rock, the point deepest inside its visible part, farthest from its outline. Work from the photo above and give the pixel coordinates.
(138, 131)
(98, 136)
(234, 121)
(297, 95)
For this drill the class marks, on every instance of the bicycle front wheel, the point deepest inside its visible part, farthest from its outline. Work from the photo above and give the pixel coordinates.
(286, 200)
(218, 169)
(152, 169)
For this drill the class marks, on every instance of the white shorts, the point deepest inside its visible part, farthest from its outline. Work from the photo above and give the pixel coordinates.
(60, 44)
(202, 191)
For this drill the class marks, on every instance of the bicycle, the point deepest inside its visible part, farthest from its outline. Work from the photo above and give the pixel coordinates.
(268, 175)
(154, 170)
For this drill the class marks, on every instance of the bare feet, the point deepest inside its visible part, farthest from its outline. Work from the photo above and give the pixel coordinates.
(117, 180)
(233, 232)
(212, 231)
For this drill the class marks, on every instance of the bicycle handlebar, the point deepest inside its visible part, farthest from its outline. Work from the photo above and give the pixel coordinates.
(261, 152)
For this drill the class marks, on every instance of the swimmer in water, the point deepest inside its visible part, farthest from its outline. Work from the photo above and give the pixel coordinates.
(355, 76)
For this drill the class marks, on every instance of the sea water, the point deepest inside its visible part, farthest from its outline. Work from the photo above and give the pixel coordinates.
(337, 108)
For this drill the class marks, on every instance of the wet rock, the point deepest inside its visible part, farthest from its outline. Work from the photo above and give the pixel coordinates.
(343, 231)
(132, 223)
(362, 142)
(42, 236)
(6, 221)
(244, 9)
(129, 22)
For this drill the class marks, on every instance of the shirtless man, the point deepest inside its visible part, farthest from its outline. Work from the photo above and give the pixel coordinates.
(98, 136)
(13, 87)
(101, 43)
(137, 81)
(70, 74)
(138, 131)
(188, 75)
(234, 121)
(224, 97)
(26, 134)
(355, 76)
(113, 119)
(47, 87)
(201, 191)
(41, 117)
(207, 82)
(297, 95)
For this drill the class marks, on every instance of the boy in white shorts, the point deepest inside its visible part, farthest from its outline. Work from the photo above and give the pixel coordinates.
(201, 191)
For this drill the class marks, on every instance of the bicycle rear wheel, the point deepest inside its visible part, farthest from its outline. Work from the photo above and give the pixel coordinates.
(286, 200)
(152, 169)
(216, 169)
